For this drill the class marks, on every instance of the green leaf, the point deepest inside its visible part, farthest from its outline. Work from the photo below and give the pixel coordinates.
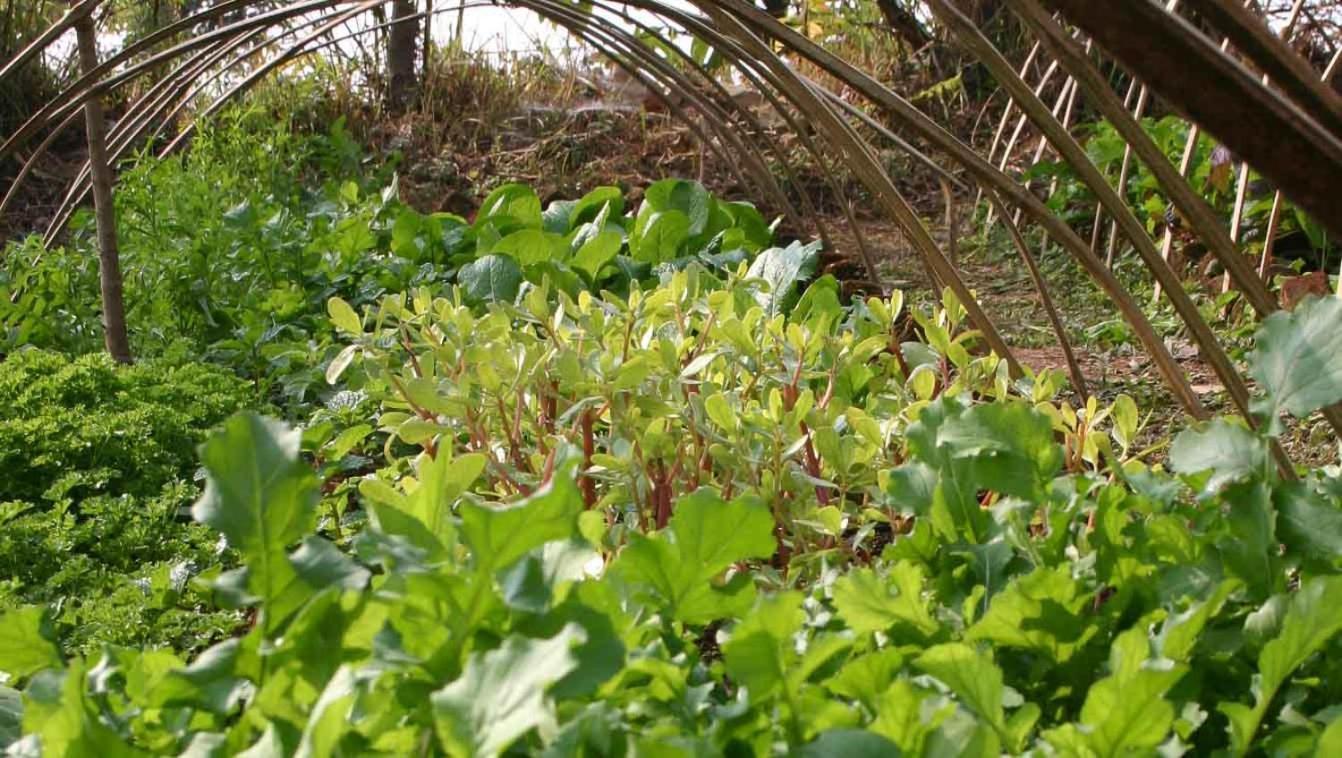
(500, 535)
(659, 238)
(491, 279)
(1040, 611)
(686, 198)
(1229, 451)
(531, 246)
(329, 718)
(898, 710)
(555, 219)
(59, 712)
(1308, 523)
(1330, 742)
(1007, 447)
(1297, 360)
(760, 651)
(869, 603)
(1126, 713)
(675, 568)
(11, 716)
(591, 205)
(344, 317)
(513, 201)
(27, 642)
(1179, 634)
(596, 252)
(783, 268)
(259, 494)
(1314, 618)
(501, 694)
(850, 743)
(867, 677)
(972, 676)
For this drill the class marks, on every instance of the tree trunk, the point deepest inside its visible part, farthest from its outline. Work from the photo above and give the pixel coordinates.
(401, 41)
(109, 263)
(904, 24)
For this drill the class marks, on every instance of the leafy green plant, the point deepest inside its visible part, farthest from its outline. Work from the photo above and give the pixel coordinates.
(99, 463)
(1031, 594)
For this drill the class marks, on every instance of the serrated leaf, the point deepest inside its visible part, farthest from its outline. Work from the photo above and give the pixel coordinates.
(1229, 451)
(1126, 713)
(870, 603)
(971, 675)
(27, 642)
(759, 653)
(1039, 611)
(1308, 523)
(501, 693)
(676, 567)
(500, 535)
(1313, 618)
(1297, 360)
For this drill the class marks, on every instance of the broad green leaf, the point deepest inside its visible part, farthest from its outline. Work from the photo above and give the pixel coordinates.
(899, 716)
(955, 510)
(866, 677)
(850, 743)
(660, 237)
(1008, 447)
(330, 716)
(556, 216)
(1040, 611)
(66, 719)
(1330, 741)
(491, 279)
(596, 252)
(687, 198)
(971, 675)
(1180, 632)
(1229, 451)
(871, 603)
(442, 481)
(1308, 523)
(530, 246)
(1126, 713)
(27, 642)
(501, 694)
(783, 268)
(1297, 360)
(760, 650)
(514, 201)
(1314, 618)
(676, 567)
(591, 205)
(260, 495)
(500, 535)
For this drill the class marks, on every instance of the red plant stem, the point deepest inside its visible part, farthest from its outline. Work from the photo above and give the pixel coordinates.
(813, 466)
(587, 484)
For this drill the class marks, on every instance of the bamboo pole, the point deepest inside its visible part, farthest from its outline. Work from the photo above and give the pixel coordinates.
(109, 262)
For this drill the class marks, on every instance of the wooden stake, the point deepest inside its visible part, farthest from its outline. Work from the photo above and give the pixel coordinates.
(109, 259)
